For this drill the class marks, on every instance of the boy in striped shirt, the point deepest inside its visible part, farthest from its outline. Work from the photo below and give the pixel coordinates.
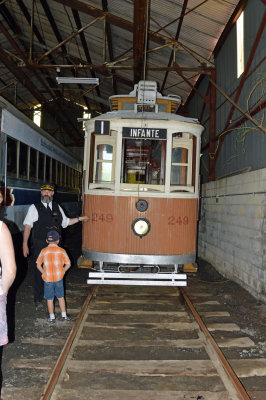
(53, 262)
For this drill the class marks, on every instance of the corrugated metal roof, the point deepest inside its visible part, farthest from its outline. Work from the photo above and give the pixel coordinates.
(55, 21)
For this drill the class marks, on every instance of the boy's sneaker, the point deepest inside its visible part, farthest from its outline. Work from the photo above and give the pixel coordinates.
(66, 318)
(51, 320)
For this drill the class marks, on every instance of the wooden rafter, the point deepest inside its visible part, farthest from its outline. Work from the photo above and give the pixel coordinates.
(176, 37)
(58, 36)
(26, 81)
(110, 46)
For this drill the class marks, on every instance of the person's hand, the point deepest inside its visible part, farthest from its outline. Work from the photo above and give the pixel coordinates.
(25, 250)
(85, 218)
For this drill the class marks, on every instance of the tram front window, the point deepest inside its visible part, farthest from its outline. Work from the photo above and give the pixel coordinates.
(143, 161)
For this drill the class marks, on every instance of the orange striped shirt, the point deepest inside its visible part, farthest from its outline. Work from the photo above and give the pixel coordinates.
(53, 258)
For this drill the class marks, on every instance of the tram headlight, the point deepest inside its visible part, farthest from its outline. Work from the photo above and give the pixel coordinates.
(141, 227)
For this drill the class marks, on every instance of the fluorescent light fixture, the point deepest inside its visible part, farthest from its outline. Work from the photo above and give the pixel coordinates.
(69, 79)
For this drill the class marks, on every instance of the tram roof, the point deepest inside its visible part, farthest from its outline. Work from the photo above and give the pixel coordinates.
(146, 116)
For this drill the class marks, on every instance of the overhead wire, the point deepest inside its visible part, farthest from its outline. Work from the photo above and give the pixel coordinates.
(144, 78)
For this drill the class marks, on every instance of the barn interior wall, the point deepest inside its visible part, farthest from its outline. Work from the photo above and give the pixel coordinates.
(244, 148)
(232, 228)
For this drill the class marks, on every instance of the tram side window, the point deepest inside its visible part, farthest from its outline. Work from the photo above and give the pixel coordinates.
(181, 162)
(41, 167)
(63, 167)
(71, 177)
(47, 168)
(67, 176)
(59, 169)
(33, 164)
(179, 166)
(23, 160)
(74, 179)
(53, 170)
(11, 157)
(104, 163)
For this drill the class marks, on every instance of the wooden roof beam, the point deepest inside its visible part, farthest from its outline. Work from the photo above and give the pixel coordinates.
(23, 56)
(111, 18)
(9, 19)
(58, 36)
(27, 83)
(110, 45)
(183, 12)
(85, 46)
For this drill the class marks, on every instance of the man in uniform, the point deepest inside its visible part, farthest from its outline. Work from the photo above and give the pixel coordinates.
(41, 218)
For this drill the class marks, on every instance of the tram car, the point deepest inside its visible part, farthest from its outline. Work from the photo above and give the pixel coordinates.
(30, 157)
(141, 190)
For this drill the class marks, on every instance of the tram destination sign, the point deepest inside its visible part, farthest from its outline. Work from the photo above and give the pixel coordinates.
(144, 133)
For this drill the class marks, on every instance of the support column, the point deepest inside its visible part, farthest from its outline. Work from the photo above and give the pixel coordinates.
(212, 134)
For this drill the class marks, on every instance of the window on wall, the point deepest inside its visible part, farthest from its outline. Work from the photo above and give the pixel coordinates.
(86, 115)
(240, 44)
(37, 115)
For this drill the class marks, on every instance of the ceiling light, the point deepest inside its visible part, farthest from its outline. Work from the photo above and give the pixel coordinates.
(68, 79)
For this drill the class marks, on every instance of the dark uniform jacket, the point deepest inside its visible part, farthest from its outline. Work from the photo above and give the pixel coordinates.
(48, 220)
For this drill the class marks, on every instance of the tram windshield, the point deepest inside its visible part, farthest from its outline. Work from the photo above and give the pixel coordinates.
(143, 161)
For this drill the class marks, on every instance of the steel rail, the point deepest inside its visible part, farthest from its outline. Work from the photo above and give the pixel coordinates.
(226, 366)
(64, 353)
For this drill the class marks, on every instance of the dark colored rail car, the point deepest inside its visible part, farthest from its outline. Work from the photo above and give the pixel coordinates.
(28, 158)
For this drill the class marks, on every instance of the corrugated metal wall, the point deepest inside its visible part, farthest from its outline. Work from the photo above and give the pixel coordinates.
(244, 148)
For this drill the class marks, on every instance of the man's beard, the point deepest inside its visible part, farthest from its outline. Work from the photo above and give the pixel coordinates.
(47, 199)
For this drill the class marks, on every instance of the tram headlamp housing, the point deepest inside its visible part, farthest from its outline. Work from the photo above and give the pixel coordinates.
(141, 227)
(141, 205)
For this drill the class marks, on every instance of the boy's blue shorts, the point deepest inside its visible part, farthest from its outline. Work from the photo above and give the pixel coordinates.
(53, 289)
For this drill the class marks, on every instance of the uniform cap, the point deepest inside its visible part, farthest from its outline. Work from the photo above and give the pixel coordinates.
(47, 187)
(52, 236)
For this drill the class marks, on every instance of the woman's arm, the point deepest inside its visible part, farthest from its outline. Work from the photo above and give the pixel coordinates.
(7, 257)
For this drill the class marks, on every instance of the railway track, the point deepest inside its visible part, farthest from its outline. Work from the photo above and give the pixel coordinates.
(144, 343)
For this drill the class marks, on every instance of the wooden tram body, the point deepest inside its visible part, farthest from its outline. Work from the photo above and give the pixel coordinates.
(141, 168)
